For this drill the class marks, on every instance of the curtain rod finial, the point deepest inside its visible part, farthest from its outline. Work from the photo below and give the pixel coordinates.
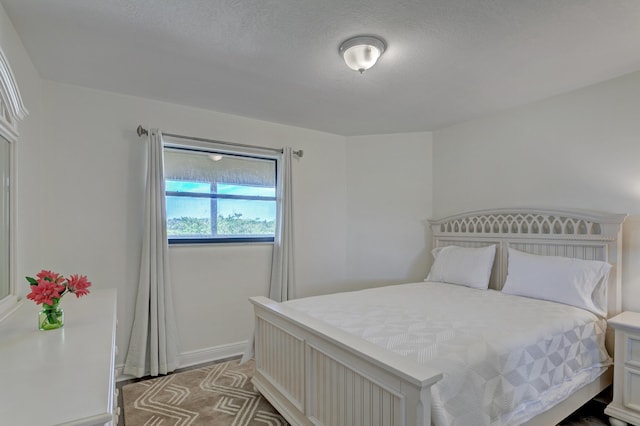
(298, 153)
(141, 131)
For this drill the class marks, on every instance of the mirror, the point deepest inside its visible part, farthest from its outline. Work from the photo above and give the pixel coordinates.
(5, 232)
(12, 111)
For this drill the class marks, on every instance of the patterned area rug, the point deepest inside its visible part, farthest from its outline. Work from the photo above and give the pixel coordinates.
(218, 394)
(222, 394)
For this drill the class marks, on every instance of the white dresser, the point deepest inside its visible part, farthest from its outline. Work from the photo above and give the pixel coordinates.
(64, 376)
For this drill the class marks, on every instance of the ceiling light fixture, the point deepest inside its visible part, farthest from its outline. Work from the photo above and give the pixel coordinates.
(362, 52)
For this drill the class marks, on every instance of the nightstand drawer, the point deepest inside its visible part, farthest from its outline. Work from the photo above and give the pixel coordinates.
(633, 350)
(631, 398)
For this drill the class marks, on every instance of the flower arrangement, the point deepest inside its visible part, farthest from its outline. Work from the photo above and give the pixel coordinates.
(48, 288)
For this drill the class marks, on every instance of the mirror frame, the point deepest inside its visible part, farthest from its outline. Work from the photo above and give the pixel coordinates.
(12, 110)
(7, 302)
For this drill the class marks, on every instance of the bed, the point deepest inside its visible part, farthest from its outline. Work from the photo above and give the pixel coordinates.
(317, 368)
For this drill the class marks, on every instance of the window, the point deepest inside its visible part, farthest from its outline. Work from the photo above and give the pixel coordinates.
(217, 197)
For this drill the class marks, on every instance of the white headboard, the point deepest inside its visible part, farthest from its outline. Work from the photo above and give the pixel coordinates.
(566, 233)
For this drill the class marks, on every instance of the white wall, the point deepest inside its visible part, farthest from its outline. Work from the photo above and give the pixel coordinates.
(578, 150)
(360, 201)
(389, 196)
(92, 187)
(81, 179)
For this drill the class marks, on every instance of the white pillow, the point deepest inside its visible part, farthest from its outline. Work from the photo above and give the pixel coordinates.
(466, 266)
(576, 282)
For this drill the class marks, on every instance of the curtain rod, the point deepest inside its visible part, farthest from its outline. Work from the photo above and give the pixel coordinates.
(142, 131)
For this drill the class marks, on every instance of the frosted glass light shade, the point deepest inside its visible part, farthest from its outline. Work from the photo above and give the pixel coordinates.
(361, 53)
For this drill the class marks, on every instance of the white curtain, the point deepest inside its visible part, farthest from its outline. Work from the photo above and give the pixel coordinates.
(281, 286)
(153, 346)
(282, 280)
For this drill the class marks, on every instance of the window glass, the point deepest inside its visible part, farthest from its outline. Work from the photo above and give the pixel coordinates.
(215, 197)
(186, 186)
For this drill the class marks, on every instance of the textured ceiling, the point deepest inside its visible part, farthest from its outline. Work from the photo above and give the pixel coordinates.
(447, 60)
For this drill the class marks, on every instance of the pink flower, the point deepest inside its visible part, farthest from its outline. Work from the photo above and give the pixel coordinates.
(51, 286)
(45, 291)
(49, 276)
(78, 284)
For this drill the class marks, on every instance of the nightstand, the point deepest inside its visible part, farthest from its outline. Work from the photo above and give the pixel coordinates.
(625, 406)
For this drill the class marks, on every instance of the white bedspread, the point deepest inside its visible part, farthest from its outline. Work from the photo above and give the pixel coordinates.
(504, 358)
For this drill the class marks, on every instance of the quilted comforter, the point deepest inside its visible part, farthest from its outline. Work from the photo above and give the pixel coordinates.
(504, 358)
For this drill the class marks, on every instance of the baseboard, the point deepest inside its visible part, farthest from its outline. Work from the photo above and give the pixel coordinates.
(187, 359)
(200, 356)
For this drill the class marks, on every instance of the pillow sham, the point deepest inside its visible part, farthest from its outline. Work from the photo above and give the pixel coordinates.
(576, 282)
(466, 266)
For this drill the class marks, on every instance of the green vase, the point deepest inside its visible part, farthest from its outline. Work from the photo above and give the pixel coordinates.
(50, 317)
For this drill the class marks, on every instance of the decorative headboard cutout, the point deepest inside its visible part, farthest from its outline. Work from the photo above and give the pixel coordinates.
(522, 223)
(566, 233)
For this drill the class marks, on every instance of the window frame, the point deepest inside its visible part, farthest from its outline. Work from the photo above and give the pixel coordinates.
(215, 196)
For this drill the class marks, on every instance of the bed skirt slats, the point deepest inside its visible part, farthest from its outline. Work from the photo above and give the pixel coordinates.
(280, 356)
(316, 375)
(340, 396)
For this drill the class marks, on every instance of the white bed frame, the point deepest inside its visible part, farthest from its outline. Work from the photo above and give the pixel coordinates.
(315, 374)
